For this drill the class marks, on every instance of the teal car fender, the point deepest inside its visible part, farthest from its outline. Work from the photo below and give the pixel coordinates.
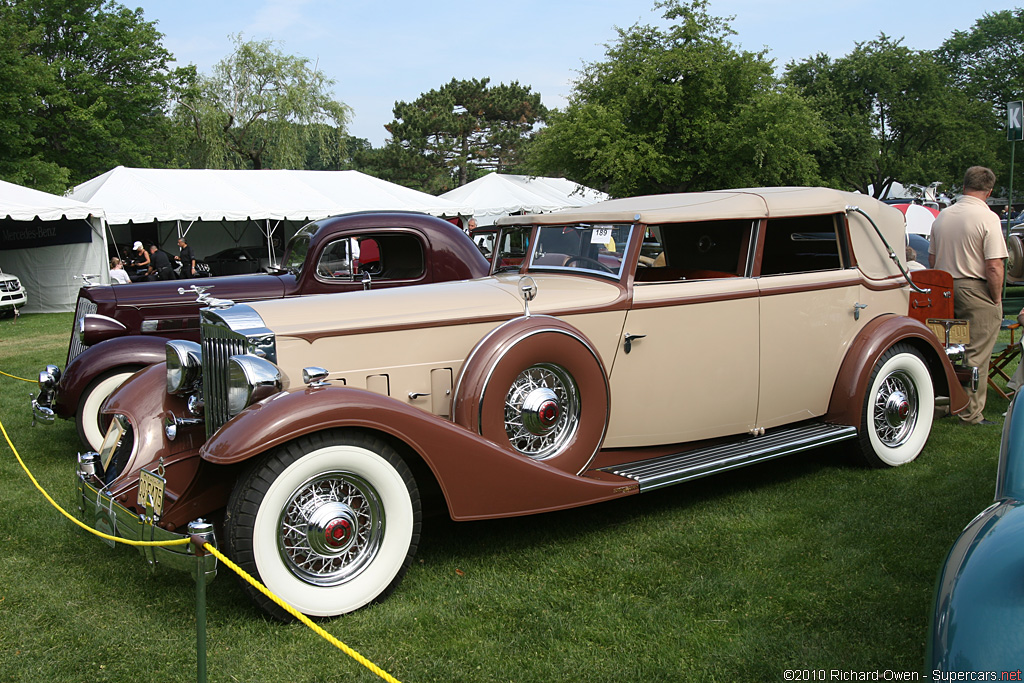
(978, 616)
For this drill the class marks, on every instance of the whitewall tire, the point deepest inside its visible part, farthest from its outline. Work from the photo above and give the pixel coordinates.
(899, 408)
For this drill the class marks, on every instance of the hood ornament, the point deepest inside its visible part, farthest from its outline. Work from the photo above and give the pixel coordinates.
(205, 299)
(87, 279)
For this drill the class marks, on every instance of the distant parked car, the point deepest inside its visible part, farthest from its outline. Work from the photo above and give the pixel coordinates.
(239, 261)
(119, 330)
(12, 294)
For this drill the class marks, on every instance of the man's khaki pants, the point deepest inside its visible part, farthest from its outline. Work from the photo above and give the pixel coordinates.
(972, 302)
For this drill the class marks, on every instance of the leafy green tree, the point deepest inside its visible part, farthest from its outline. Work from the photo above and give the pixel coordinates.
(893, 114)
(258, 110)
(449, 135)
(680, 109)
(94, 78)
(988, 61)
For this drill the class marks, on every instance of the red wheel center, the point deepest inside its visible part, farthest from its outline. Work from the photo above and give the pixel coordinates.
(548, 413)
(903, 410)
(338, 532)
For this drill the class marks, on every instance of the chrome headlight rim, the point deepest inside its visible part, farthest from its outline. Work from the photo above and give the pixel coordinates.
(184, 366)
(250, 380)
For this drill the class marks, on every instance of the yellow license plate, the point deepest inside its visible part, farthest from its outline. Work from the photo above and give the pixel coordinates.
(959, 330)
(151, 491)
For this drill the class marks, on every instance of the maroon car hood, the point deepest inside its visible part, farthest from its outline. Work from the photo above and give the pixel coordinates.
(143, 295)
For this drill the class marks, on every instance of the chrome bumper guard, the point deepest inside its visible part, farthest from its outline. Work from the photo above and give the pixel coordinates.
(105, 514)
(42, 405)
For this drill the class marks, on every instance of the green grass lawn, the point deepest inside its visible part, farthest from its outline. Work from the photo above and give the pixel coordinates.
(810, 562)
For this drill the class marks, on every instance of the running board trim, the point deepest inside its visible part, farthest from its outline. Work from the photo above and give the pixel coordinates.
(676, 468)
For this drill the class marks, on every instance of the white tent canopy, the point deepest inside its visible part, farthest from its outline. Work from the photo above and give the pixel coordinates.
(144, 195)
(46, 241)
(499, 194)
(218, 209)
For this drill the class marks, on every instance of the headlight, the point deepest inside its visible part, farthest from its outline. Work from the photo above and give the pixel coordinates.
(184, 366)
(250, 379)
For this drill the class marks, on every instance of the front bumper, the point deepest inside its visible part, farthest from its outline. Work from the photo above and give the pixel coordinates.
(102, 512)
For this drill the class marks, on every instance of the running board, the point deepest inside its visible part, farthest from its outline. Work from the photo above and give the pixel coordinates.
(679, 467)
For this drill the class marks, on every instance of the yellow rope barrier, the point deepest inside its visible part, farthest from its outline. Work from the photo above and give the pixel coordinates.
(126, 541)
(220, 556)
(300, 616)
(31, 381)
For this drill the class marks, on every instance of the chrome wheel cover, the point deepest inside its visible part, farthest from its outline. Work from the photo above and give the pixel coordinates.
(331, 528)
(542, 410)
(895, 409)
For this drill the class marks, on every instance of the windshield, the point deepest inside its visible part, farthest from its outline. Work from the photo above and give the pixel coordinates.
(298, 247)
(599, 249)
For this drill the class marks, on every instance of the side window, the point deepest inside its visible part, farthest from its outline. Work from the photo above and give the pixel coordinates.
(336, 260)
(695, 251)
(387, 256)
(804, 244)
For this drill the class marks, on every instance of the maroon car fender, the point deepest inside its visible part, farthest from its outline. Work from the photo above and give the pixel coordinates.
(479, 479)
(847, 403)
(122, 352)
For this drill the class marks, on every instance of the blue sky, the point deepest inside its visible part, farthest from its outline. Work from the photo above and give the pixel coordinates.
(381, 51)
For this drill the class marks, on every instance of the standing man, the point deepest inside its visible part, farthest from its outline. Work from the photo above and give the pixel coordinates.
(967, 242)
(187, 258)
(160, 266)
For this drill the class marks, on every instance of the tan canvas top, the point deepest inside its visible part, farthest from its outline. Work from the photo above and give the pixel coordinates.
(718, 204)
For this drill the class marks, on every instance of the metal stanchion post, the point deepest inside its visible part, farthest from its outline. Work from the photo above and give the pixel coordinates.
(201, 533)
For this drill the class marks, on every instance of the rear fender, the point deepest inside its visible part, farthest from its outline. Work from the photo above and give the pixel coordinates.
(847, 403)
(479, 479)
(133, 352)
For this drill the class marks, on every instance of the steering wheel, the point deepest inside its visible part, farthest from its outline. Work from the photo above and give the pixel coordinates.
(590, 261)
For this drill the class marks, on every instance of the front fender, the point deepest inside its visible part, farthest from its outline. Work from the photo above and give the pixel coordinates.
(121, 352)
(846, 405)
(479, 479)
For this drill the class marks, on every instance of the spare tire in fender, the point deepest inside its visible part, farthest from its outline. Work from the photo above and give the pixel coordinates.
(537, 386)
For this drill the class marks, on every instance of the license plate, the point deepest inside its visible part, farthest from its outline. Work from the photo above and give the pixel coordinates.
(151, 491)
(959, 330)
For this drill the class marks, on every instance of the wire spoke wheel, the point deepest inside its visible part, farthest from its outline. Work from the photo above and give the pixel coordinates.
(896, 406)
(331, 528)
(542, 410)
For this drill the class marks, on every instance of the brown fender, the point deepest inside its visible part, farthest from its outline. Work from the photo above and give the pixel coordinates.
(134, 351)
(847, 403)
(479, 479)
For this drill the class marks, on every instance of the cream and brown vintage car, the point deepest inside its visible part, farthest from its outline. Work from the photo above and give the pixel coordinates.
(641, 343)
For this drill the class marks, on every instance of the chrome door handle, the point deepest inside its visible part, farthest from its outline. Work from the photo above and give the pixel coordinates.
(627, 345)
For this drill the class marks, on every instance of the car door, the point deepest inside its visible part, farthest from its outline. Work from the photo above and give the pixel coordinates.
(811, 302)
(690, 370)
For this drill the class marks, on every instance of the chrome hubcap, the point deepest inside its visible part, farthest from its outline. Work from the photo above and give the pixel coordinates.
(331, 527)
(542, 410)
(895, 410)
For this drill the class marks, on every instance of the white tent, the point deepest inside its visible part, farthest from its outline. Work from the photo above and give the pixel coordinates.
(47, 241)
(171, 202)
(499, 194)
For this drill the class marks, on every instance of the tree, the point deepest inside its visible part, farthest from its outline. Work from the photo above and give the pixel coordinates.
(680, 109)
(893, 114)
(257, 109)
(987, 62)
(93, 76)
(448, 135)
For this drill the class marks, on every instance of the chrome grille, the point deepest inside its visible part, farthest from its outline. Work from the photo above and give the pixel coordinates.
(84, 308)
(9, 286)
(228, 332)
